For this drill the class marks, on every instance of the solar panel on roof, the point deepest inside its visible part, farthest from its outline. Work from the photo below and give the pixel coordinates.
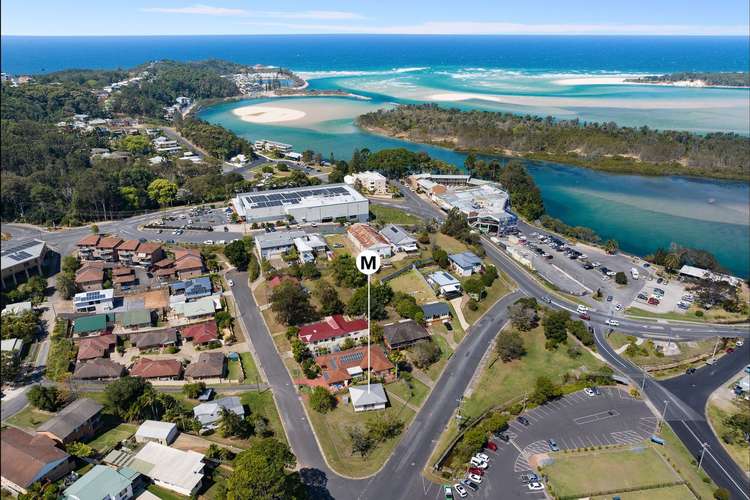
(351, 358)
(21, 246)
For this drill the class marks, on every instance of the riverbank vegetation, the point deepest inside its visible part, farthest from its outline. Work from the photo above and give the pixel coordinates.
(711, 79)
(602, 146)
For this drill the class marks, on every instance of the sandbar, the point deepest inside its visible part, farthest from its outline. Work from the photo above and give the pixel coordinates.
(267, 114)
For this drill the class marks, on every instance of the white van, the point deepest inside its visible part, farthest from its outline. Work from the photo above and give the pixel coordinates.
(634, 273)
(582, 309)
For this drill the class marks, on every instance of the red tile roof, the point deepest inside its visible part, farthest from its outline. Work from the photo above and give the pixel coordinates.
(122, 271)
(181, 252)
(149, 247)
(188, 262)
(88, 241)
(330, 328)
(109, 242)
(129, 246)
(125, 278)
(24, 455)
(95, 347)
(89, 274)
(156, 368)
(334, 366)
(164, 263)
(201, 333)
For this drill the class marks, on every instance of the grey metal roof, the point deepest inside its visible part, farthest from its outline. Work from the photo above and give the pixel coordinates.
(210, 413)
(404, 332)
(436, 309)
(71, 418)
(396, 235)
(361, 396)
(278, 239)
(21, 252)
(465, 260)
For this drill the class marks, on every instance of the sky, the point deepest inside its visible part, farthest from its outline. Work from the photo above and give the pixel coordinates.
(207, 17)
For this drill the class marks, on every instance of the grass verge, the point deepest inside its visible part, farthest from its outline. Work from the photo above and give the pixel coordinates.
(390, 215)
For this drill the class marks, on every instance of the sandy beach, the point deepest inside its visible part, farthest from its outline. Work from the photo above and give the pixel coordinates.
(268, 114)
(593, 80)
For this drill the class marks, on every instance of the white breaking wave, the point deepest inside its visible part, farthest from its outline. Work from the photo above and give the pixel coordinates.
(313, 75)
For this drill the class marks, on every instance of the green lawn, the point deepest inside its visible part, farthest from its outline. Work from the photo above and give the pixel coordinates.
(501, 287)
(687, 350)
(739, 451)
(113, 436)
(389, 215)
(414, 395)
(580, 475)
(262, 403)
(252, 375)
(414, 284)
(331, 429)
(234, 368)
(644, 313)
(164, 493)
(436, 369)
(448, 243)
(617, 339)
(502, 382)
(684, 462)
(29, 418)
(679, 492)
(438, 328)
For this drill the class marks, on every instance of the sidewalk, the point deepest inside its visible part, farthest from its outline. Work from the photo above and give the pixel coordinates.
(456, 303)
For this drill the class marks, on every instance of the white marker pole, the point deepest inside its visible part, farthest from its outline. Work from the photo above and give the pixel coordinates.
(368, 263)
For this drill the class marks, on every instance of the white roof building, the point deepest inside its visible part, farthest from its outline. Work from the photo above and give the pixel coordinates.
(374, 182)
(486, 207)
(180, 471)
(22, 260)
(11, 345)
(17, 308)
(366, 398)
(705, 274)
(399, 239)
(154, 430)
(96, 300)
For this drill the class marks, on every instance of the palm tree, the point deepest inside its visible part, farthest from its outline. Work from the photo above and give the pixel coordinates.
(611, 246)
(672, 261)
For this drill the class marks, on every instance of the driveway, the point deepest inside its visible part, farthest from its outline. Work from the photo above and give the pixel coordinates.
(575, 421)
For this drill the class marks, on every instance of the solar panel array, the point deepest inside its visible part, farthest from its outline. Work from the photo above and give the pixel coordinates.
(91, 296)
(352, 358)
(19, 256)
(18, 253)
(272, 199)
(197, 289)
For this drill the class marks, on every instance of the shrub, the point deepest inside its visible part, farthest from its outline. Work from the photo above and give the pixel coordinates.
(700, 315)
(472, 305)
(321, 400)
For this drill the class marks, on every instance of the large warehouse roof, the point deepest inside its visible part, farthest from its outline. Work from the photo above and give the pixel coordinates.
(279, 202)
(22, 252)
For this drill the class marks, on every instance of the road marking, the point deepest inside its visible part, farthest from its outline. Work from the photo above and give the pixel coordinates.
(595, 417)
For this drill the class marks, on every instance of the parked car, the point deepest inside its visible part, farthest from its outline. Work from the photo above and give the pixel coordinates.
(208, 242)
(529, 477)
(522, 420)
(730, 350)
(477, 471)
(447, 325)
(589, 392)
(547, 299)
(503, 437)
(536, 486)
(653, 301)
(476, 462)
(609, 298)
(612, 322)
(739, 343)
(618, 307)
(553, 445)
(469, 484)
(474, 478)
(460, 490)
(447, 492)
(642, 296)
(690, 371)
(585, 316)
(491, 446)
(230, 283)
(482, 456)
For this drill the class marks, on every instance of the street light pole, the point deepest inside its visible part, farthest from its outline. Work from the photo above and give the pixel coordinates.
(703, 451)
(716, 346)
(664, 413)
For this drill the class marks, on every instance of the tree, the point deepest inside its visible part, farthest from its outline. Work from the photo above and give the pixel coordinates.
(291, 304)
(328, 297)
(376, 333)
(20, 326)
(489, 276)
(474, 287)
(162, 191)
(348, 343)
(672, 261)
(233, 425)
(620, 278)
(545, 390)
(555, 327)
(473, 441)
(321, 400)
(78, 449)
(578, 330)
(70, 264)
(345, 272)
(722, 494)
(260, 473)
(122, 393)
(253, 268)
(194, 390)
(136, 144)
(611, 246)
(300, 350)
(45, 398)
(423, 354)
(384, 427)
(362, 442)
(236, 253)
(510, 346)
(9, 367)
(440, 257)
(380, 295)
(522, 317)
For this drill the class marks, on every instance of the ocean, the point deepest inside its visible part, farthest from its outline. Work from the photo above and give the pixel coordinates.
(564, 77)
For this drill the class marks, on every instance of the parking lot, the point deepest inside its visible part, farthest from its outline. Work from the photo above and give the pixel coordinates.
(662, 297)
(574, 421)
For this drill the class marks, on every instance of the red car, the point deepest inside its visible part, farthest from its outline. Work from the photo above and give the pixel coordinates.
(653, 301)
(491, 446)
(476, 470)
(730, 350)
(585, 316)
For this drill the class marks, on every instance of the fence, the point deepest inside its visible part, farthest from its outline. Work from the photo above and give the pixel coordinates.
(415, 265)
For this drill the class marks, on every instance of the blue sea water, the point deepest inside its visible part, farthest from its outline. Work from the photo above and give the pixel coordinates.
(540, 75)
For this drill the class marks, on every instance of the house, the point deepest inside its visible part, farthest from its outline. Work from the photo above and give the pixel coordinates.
(188, 263)
(13, 345)
(78, 421)
(372, 182)
(90, 277)
(339, 368)
(161, 369)
(203, 308)
(124, 277)
(154, 338)
(156, 431)
(209, 414)
(106, 248)
(126, 252)
(404, 333)
(89, 324)
(17, 308)
(209, 365)
(28, 458)
(446, 285)
(365, 237)
(164, 270)
(200, 333)
(436, 311)
(103, 483)
(368, 398)
(96, 347)
(310, 246)
(98, 369)
(86, 246)
(95, 300)
(331, 332)
(176, 470)
(465, 263)
(21, 261)
(270, 244)
(192, 289)
(399, 239)
(134, 319)
(148, 253)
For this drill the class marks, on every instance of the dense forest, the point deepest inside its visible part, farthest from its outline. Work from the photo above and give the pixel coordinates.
(736, 79)
(392, 163)
(603, 146)
(91, 78)
(217, 141)
(46, 102)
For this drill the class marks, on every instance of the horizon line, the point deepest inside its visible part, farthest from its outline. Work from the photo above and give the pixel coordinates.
(425, 35)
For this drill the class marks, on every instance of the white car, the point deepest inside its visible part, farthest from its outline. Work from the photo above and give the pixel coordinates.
(230, 283)
(589, 392)
(536, 486)
(739, 343)
(581, 308)
(460, 490)
(475, 478)
(483, 456)
(612, 322)
(221, 242)
(208, 242)
(596, 264)
(618, 307)
(476, 462)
